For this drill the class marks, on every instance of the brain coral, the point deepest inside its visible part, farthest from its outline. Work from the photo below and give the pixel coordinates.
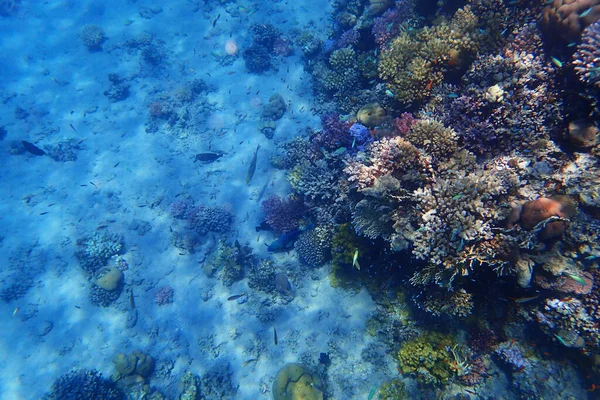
(563, 18)
(295, 382)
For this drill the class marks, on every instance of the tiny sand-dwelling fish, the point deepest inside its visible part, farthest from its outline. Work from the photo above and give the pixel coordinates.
(252, 166)
(207, 157)
(245, 363)
(32, 148)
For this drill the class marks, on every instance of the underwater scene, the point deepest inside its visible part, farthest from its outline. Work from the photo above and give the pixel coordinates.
(300, 200)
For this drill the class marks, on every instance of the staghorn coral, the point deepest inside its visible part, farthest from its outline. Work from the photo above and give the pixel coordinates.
(458, 215)
(414, 63)
(434, 138)
(563, 19)
(456, 303)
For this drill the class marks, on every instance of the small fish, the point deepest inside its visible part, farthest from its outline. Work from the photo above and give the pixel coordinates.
(262, 191)
(245, 363)
(32, 148)
(230, 72)
(207, 157)
(585, 13)
(131, 300)
(452, 95)
(458, 196)
(556, 62)
(93, 184)
(128, 22)
(389, 93)
(355, 260)
(72, 127)
(45, 212)
(275, 336)
(116, 165)
(525, 299)
(215, 21)
(16, 311)
(372, 392)
(576, 278)
(252, 167)
(572, 44)
(235, 296)
(353, 142)
(561, 340)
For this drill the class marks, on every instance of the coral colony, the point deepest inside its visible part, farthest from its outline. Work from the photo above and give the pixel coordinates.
(452, 172)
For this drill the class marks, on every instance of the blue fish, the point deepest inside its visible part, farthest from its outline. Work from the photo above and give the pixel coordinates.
(286, 241)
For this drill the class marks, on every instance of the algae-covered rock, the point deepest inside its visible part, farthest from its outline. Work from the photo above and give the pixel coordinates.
(295, 382)
(124, 365)
(110, 279)
(145, 364)
(371, 115)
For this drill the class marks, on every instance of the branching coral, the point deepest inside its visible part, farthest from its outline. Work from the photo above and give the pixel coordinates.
(316, 180)
(414, 63)
(585, 59)
(458, 215)
(283, 215)
(395, 156)
(434, 138)
(426, 357)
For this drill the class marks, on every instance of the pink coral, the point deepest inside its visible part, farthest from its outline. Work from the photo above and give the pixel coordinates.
(403, 123)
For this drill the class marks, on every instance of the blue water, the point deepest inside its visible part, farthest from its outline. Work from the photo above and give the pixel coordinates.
(330, 200)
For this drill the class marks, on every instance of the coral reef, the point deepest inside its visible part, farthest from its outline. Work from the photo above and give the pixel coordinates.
(164, 295)
(282, 215)
(92, 37)
(314, 246)
(205, 219)
(427, 359)
(231, 262)
(566, 19)
(585, 59)
(94, 251)
(85, 385)
(295, 381)
(414, 63)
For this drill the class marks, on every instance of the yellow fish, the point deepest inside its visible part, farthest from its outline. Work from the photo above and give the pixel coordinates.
(355, 260)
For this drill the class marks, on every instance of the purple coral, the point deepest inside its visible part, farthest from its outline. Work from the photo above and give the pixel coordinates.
(282, 215)
(164, 296)
(348, 39)
(403, 123)
(335, 133)
(587, 57)
(361, 135)
(180, 208)
(510, 354)
(388, 25)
